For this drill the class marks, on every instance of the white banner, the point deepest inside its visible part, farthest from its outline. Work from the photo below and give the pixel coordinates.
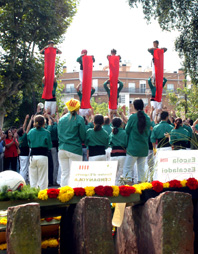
(179, 164)
(92, 173)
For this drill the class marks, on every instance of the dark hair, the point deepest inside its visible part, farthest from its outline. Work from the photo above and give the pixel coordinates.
(190, 122)
(178, 123)
(156, 42)
(6, 132)
(39, 121)
(20, 132)
(50, 41)
(106, 120)
(99, 121)
(116, 122)
(164, 115)
(13, 127)
(85, 120)
(139, 105)
(113, 51)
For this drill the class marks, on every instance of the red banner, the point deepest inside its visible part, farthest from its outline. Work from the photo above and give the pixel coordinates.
(114, 73)
(159, 72)
(49, 70)
(87, 81)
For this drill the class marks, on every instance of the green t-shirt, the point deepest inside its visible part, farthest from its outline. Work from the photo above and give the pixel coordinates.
(137, 143)
(107, 128)
(54, 132)
(80, 94)
(108, 89)
(180, 134)
(159, 130)
(97, 138)
(71, 133)
(89, 126)
(152, 51)
(23, 142)
(119, 139)
(39, 138)
(153, 88)
(54, 90)
(80, 61)
(189, 129)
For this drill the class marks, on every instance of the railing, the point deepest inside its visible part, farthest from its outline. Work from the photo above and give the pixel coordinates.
(124, 90)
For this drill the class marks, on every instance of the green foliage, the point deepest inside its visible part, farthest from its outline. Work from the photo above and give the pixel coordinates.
(102, 108)
(180, 15)
(25, 193)
(25, 26)
(185, 99)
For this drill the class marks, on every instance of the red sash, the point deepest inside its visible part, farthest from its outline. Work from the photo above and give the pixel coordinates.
(49, 70)
(87, 81)
(114, 73)
(159, 72)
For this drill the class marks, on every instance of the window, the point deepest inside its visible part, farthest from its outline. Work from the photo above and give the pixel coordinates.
(170, 87)
(131, 87)
(95, 84)
(122, 99)
(142, 86)
(70, 88)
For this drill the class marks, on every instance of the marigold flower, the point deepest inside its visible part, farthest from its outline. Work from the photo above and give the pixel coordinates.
(66, 193)
(43, 194)
(89, 191)
(116, 191)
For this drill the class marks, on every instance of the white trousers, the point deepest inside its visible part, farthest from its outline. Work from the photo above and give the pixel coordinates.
(54, 154)
(84, 111)
(51, 106)
(81, 76)
(108, 153)
(24, 167)
(98, 158)
(58, 180)
(121, 160)
(156, 105)
(65, 160)
(38, 171)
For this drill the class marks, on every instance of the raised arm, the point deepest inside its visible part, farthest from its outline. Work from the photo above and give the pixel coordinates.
(25, 122)
(29, 124)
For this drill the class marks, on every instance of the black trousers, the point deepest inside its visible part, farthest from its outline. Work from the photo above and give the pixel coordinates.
(10, 163)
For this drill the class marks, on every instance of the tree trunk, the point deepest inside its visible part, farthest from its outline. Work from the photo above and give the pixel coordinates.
(1, 119)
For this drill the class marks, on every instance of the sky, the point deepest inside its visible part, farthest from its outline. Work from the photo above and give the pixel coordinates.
(100, 25)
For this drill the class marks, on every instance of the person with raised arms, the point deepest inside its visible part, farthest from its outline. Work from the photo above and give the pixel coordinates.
(71, 135)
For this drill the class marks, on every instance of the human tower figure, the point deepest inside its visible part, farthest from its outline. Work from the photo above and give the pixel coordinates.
(157, 81)
(49, 79)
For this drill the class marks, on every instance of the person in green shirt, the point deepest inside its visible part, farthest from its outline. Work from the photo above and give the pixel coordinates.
(107, 88)
(158, 138)
(118, 141)
(107, 127)
(179, 136)
(71, 135)
(157, 105)
(50, 104)
(97, 140)
(138, 130)
(83, 111)
(24, 148)
(39, 140)
(80, 61)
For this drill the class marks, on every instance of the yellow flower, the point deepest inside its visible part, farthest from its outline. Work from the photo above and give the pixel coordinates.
(3, 246)
(166, 185)
(43, 194)
(113, 205)
(53, 243)
(89, 191)
(57, 218)
(183, 183)
(66, 193)
(116, 191)
(145, 186)
(138, 189)
(44, 244)
(3, 221)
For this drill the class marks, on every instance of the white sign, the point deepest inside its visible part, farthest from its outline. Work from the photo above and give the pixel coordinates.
(92, 173)
(179, 164)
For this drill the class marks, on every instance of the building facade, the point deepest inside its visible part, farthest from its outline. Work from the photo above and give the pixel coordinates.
(135, 85)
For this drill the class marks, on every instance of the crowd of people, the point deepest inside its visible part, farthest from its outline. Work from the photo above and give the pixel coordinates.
(43, 148)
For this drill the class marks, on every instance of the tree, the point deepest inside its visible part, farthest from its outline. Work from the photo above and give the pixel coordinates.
(183, 16)
(25, 26)
(182, 104)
